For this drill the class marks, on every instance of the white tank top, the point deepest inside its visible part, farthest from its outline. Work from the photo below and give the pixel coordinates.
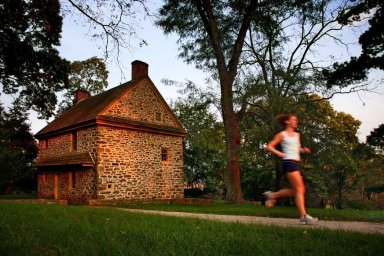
(291, 146)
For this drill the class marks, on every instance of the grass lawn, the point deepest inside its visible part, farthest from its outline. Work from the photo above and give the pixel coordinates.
(40, 229)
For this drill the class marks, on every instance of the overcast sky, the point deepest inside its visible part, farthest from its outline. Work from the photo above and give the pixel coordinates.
(161, 55)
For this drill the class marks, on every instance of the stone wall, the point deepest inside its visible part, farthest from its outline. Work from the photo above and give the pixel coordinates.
(62, 144)
(87, 141)
(83, 177)
(74, 185)
(141, 104)
(130, 165)
(53, 146)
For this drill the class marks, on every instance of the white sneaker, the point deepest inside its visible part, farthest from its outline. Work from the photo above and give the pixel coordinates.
(308, 220)
(269, 202)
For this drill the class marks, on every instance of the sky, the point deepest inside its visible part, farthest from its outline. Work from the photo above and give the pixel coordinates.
(161, 54)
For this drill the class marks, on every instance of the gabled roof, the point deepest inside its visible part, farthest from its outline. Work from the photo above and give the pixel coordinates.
(87, 111)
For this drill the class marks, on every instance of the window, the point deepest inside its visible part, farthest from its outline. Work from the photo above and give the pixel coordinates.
(46, 144)
(74, 141)
(158, 117)
(164, 154)
(71, 180)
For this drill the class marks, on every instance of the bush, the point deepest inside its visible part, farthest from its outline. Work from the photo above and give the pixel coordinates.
(193, 193)
(362, 205)
(378, 188)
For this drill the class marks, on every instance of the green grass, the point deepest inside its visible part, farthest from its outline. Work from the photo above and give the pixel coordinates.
(38, 229)
(258, 210)
(19, 196)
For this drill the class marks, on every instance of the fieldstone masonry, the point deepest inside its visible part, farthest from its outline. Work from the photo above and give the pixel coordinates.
(130, 165)
(141, 104)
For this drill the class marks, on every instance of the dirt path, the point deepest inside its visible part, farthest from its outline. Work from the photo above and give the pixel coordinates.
(363, 227)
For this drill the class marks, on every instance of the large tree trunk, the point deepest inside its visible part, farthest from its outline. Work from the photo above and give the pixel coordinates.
(227, 71)
(234, 192)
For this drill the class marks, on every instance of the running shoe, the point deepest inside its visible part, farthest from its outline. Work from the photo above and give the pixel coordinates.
(308, 220)
(269, 202)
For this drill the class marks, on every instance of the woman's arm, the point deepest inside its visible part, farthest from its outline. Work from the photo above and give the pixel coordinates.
(304, 150)
(271, 146)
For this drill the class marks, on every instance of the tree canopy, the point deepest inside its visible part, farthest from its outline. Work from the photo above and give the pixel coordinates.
(376, 137)
(204, 147)
(30, 65)
(90, 75)
(371, 41)
(243, 44)
(18, 148)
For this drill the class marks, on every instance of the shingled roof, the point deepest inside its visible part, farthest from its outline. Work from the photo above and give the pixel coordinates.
(85, 110)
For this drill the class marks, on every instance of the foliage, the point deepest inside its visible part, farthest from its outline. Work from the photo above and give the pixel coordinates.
(371, 41)
(269, 64)
(30, 65)
(18, 147)
(378, 188)
(204, 147)
(257, 165)
(332, 136)
(330, 172)
(35, 229)
(370, 164)
(376, 137)
(90, 75)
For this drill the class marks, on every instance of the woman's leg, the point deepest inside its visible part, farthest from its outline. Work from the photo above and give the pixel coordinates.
(298, 187)
(285, 192)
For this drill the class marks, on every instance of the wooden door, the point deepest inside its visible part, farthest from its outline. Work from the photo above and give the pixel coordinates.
(56, 193)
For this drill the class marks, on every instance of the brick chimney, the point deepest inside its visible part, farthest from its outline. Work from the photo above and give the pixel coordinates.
(81, 94)
(139, 69)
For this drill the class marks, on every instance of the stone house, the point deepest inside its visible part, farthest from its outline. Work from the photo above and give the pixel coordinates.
(125, 143)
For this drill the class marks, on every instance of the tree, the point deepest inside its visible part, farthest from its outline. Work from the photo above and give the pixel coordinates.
(331, 171)
(207, 27)
(204, 147)
(213, 36)
(18, 147)
(90, 75)
(376, 138)
(371, 41)
(30, 65)
(370, 164)
(257, 166)
(332, 136)
(114, 23)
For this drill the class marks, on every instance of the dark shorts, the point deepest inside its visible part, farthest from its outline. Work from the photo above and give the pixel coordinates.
(290, 166)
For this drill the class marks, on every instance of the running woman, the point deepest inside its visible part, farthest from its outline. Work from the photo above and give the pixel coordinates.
(290, 155)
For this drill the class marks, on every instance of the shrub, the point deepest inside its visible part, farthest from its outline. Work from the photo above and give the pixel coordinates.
(193, 192)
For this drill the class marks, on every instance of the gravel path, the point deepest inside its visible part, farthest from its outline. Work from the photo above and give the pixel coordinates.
(363, 227)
